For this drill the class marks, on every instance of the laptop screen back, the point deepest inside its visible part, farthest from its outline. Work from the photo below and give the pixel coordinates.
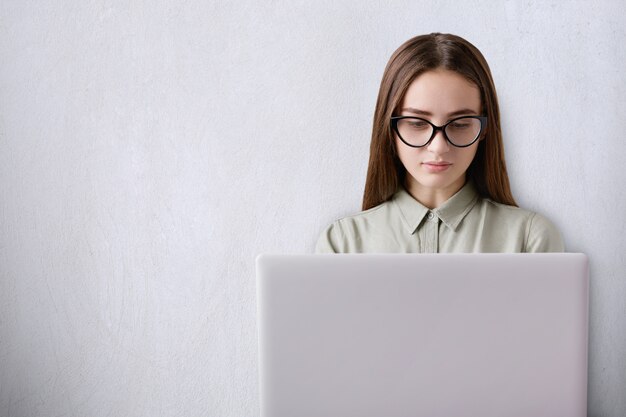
(423, 335)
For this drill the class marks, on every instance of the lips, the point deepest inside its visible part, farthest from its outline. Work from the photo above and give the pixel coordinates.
(436, 166)
(437, 163)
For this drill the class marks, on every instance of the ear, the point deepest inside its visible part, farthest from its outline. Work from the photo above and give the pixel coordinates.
(483, 134)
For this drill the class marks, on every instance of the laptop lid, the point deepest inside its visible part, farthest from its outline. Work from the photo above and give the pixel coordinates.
(423, 335)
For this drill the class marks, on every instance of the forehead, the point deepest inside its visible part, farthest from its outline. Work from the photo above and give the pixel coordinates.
(442, 91)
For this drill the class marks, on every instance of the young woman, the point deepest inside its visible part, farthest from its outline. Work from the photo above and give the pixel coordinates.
(437, 179)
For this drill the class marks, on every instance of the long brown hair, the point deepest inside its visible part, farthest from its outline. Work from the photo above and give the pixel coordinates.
(423, 53)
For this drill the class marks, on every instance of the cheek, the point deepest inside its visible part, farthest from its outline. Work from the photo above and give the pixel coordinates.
(466, 157)
(472, 153)
(407, 155)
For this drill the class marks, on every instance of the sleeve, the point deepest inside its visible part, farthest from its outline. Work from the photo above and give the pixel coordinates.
(543, 236)
(328, 241)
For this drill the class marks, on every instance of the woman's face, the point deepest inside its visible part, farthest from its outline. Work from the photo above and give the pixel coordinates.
(436, 171)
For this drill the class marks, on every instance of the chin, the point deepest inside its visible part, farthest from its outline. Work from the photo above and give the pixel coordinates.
(436, 181)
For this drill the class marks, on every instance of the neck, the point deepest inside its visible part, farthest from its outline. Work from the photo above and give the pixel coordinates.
(432, 197)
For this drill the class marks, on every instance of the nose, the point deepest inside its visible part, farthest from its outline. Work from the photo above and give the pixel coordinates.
(439, 144)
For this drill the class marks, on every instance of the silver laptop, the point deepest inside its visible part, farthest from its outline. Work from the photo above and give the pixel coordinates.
(423, 335)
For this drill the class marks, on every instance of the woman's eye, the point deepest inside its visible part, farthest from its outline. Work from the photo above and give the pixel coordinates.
(418, 125)
(459, 125)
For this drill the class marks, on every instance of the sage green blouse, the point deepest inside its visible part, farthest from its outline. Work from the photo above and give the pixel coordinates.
(464, 223)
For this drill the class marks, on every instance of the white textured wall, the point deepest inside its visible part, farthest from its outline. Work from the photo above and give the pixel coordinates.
(149, 150)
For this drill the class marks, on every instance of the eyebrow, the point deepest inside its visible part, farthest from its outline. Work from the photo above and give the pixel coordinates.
(427, 113)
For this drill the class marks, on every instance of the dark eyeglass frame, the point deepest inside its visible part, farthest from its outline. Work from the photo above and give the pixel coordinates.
(396, 119)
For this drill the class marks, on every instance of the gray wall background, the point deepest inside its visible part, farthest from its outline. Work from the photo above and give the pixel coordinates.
(150, 150)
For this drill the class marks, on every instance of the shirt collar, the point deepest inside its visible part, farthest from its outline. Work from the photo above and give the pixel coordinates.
(451, 213)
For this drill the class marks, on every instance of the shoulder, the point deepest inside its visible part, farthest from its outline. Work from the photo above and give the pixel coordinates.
(341, 235)
(540, 234)
(543, 235)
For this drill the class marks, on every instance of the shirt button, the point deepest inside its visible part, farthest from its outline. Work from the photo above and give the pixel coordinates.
(430, 215)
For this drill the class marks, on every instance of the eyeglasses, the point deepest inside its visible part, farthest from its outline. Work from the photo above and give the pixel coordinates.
(460, 132)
